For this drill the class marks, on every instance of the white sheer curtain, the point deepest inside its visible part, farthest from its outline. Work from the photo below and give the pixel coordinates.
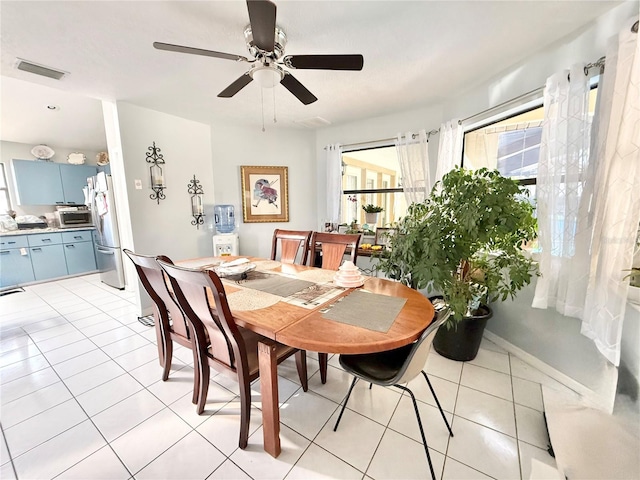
(449, 148)
(334, 182)
(562, 173)
(616, 194)
(413, 157)
(588, 213)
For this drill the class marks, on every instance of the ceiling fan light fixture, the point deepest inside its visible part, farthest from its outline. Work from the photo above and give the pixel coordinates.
(267, 77)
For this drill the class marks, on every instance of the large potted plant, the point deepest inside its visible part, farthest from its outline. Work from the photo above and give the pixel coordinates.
(466, 243)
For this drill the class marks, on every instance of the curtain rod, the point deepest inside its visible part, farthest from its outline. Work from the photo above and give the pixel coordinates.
(383, 140)
(598, 63)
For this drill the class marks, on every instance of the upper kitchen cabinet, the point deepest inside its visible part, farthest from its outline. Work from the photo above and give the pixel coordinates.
(37, 183)
(74, 178)
(47, 183)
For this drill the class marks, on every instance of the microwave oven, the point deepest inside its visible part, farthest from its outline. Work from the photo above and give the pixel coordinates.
(74, 218)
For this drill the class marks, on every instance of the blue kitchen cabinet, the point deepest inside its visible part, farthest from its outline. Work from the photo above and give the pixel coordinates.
(44, 239)
(74, 178)
(80, 257)
(13, 241)
(48, 262)
(79, 251)
(47, 255)
(78, 236)
(38, 183)
(15, 261)
(48, 183)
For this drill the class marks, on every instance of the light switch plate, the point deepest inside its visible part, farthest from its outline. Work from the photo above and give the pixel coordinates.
(138, 184)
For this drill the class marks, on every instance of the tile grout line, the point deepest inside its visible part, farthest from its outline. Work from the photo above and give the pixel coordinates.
(83, 410)
(4, 438)
(515, 419)
(73, 426)
(453, 416)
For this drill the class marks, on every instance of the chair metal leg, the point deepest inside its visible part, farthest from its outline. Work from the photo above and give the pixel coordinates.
(424, 439)
(433, 392)
(344, 404)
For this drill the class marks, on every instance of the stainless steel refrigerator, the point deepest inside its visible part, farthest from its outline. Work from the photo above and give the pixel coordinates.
(106, 235)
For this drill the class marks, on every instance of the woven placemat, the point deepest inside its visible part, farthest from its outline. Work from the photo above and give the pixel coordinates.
(275, 284)
(251, 300)
(316, 275)
(366, 310)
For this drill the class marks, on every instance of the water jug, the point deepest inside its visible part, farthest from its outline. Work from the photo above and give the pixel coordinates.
(225, 218)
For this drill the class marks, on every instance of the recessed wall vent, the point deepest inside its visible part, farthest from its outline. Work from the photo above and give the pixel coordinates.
(31, 67)
(314, 122)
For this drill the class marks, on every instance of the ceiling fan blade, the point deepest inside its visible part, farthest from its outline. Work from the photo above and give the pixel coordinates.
(236, 86)
(299, 90)
(325, 62)
(262, 16)
(198, 51)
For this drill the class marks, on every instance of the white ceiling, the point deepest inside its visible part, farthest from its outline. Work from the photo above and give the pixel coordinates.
(415, 54)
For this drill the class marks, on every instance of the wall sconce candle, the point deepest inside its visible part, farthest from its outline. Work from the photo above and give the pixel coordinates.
(197, 205)
(155, 172)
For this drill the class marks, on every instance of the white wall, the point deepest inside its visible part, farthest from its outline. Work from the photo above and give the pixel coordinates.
(630, 351)
(586, 45)
(528, 331)
(22, 151)
(165, 227)
(236, 145)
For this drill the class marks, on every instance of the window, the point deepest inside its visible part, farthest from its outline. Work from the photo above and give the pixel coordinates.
(511, 145)
(372, 175)
(5, 201)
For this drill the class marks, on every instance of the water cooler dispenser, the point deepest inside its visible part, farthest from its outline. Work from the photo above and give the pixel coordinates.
(225, 242)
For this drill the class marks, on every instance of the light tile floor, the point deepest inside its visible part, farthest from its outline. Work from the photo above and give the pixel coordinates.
(82, 398)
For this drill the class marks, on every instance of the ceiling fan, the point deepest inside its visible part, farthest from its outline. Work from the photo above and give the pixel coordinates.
(266, 43)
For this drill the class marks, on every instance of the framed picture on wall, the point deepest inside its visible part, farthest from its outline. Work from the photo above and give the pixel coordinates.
(265, 194)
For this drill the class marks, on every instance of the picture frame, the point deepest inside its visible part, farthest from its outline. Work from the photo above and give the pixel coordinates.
(265, 194)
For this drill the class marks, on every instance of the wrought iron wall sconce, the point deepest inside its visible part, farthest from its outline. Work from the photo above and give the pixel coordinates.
(197, 206)
(155, 172)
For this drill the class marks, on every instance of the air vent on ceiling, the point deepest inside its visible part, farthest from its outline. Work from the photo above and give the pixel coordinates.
(31, 67)
(314, 122)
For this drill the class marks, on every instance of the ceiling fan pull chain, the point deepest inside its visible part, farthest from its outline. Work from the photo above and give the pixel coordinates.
(262, 102)
(274, 105)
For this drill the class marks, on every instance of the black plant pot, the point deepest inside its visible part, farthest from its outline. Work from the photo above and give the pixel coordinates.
(461, 343)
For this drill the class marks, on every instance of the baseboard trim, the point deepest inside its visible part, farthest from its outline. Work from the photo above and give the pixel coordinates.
(588, 395)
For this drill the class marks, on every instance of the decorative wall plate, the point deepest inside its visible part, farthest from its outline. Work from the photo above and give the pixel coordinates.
(76, 158)
(42, 152)
(102, 159)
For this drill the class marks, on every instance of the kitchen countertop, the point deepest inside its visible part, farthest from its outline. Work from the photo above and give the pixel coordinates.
(31, 231)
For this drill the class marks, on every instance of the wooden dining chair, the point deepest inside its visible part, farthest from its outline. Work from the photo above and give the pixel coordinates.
(171, 325)
(293, 244)
(334, 247)
(396, 368)
(218, 341)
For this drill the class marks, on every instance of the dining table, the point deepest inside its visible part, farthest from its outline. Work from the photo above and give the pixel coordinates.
(303, 307)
